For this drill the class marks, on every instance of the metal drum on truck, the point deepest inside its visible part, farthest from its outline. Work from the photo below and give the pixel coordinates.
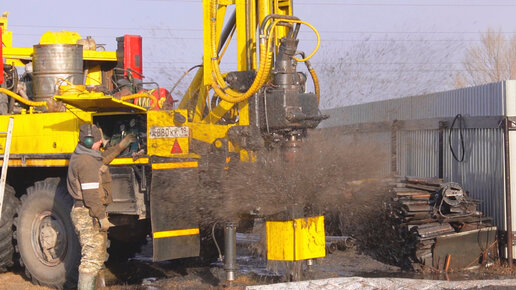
(54, 63)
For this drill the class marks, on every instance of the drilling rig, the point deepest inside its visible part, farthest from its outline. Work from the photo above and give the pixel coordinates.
(224, 118)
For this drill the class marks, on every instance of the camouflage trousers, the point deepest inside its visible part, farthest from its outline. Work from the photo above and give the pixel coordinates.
(93, 241)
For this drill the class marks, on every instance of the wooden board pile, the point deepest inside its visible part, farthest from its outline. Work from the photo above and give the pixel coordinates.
(424, 209)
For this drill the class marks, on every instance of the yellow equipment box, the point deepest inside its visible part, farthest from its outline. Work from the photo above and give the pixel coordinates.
(294, 240)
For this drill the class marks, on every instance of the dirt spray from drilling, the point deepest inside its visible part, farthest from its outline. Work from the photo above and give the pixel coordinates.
(321, 177)
(338, 175)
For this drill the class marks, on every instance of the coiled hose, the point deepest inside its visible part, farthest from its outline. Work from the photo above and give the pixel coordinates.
(265, 47)
(142, 95)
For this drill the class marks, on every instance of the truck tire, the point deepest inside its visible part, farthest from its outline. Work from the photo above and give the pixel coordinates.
(46, 239)
(9, 207)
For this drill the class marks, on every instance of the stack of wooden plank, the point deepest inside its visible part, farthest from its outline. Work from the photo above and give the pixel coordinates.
(424, 209)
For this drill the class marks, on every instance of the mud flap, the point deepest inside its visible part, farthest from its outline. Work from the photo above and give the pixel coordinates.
(464, 249)
(174, 217)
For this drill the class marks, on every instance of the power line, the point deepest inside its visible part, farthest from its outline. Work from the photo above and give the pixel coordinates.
(488, 4)
(411, 32)
(345, 70)
(433, 4)
(315, 62)
(182, 1)
(102, 27)
(301, 39)
(179, 29)
(395, 40)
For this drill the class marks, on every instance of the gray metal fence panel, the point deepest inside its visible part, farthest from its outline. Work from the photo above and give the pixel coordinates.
(482, 171)
(418, 153)
(485, 100)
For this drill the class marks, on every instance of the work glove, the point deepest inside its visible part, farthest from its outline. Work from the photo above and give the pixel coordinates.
(105, 224)
(130, 138)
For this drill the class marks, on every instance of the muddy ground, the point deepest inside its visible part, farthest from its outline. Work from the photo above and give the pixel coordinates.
(141, 273)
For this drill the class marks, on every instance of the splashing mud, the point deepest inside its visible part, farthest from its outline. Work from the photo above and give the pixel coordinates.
(326, 176)
(339, 178)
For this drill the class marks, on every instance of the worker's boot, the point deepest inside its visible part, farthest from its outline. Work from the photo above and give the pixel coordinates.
(86, 281)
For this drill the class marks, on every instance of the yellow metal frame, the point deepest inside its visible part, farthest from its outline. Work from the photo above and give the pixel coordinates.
(18, 56)
(174, 165)
(198, 106)
(37, 162)
(249, 15)
(48, 133)
(129, 161)
(207, 101)
(175, 233)
(95, 101)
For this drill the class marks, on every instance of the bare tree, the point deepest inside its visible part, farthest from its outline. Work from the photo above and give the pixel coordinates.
(493, 60)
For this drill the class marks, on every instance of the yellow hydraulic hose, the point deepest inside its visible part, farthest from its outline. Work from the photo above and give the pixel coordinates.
(260, 79)
(22, 100)
(230, 95)
(316, 33)
(72, 90)
(315, 80)
(287, 20)
(141, 95)
(218, 83)
(316, 84)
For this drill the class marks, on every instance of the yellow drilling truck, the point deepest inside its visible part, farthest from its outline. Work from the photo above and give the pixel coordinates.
(224, 118)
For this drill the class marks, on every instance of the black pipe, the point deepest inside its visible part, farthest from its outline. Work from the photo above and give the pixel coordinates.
(442, 126)
(508, 209)
(227, 31)
(394, 146)
(230, 264)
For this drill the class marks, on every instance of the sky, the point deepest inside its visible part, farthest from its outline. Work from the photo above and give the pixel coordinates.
(370, 50)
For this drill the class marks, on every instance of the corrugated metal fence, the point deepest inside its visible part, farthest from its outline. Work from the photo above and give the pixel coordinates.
(422, 147)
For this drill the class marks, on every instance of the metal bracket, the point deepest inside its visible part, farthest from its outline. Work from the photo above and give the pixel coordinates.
(5, 162)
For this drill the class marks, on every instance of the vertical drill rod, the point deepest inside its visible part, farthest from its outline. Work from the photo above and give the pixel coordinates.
(230, 251)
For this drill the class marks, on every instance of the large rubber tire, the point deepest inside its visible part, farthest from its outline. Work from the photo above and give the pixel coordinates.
(45, 211)
(9, 207)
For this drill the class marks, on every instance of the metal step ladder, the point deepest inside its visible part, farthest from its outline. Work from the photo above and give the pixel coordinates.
(5, 163)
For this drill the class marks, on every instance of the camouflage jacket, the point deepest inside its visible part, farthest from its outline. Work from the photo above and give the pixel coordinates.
(89, 179)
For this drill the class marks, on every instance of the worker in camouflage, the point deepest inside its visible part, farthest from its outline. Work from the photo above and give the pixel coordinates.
(89, 183)
(93, 240)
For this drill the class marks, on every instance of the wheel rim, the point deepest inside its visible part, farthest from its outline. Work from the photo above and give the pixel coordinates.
(49, 239)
